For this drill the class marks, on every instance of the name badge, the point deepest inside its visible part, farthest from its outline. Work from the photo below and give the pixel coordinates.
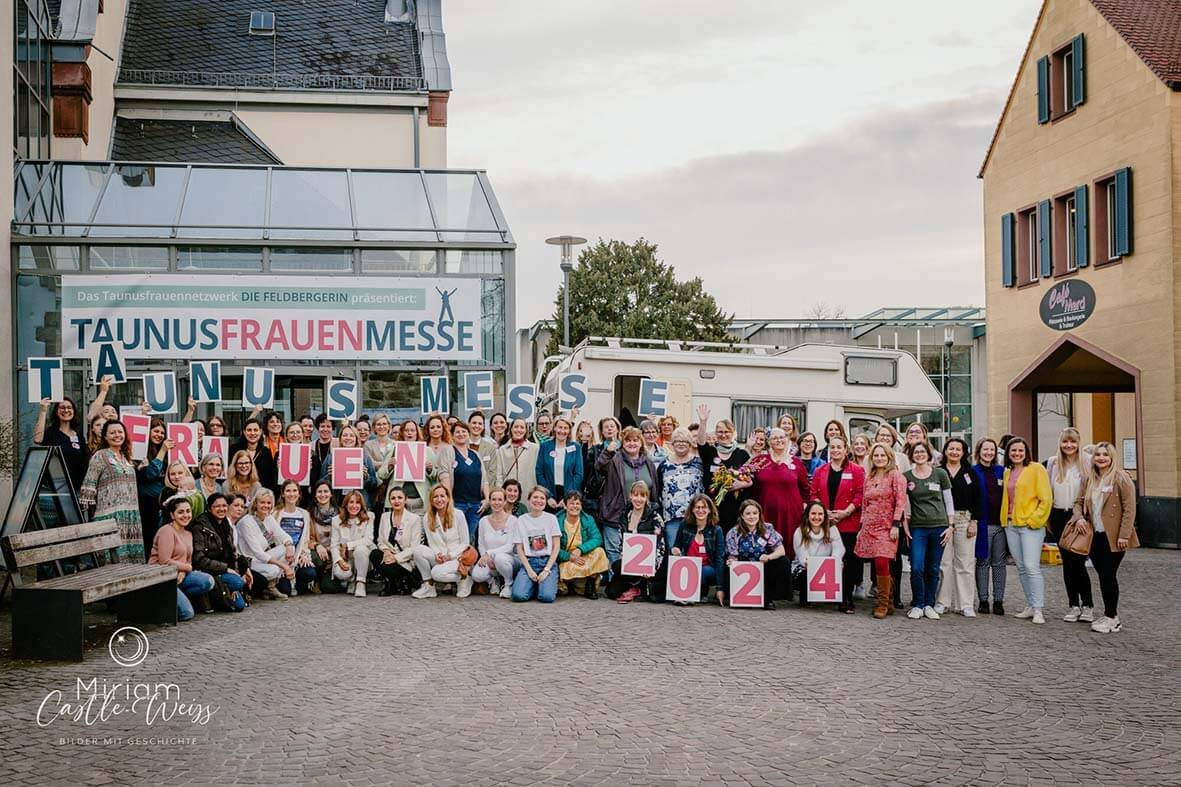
(967, 479)
(846, 476)
(933, 486)
(1105, 490)
(1000, 482)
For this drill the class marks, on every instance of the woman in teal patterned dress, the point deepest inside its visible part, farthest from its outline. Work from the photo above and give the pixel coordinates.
(109, 489)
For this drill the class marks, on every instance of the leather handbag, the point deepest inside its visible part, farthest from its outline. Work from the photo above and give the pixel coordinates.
(467, 559)
(1076, 537)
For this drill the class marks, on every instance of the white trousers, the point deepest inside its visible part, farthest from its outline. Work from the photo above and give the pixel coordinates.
(266, 570)
(424, 558)
(958, 588)
(358, 567)
(503, 563)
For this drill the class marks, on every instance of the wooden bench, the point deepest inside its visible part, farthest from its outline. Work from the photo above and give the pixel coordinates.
(47, 614)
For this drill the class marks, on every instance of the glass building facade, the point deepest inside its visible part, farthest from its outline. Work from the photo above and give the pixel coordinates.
(101, 219)
(31, 79)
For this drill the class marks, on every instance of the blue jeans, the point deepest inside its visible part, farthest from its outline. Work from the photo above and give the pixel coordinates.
(524, 587)
(671, 528)
(708, 578)
(305, 577)
(235, 583)
(195, 583)
(1025, 545)
(612, 543)
(471, 511)
(926, 552)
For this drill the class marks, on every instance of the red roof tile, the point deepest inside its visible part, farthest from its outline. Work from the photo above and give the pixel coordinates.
(1153, 29)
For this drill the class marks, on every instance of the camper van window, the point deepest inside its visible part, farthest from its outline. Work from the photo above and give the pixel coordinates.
(749, 415)
(870, 370)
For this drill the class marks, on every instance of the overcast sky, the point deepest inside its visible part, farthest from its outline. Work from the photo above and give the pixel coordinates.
(788, 153)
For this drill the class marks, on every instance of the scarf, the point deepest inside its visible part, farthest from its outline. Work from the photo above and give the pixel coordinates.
(728, 448)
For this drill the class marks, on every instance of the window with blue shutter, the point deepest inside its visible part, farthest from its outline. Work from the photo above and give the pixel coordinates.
(1122, 224)
(1082, 233)
(1078, 71)
(1043, 90)
(1045, 231)
(1008, 250)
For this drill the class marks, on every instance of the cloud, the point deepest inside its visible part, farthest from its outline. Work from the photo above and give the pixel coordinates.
(883, 212)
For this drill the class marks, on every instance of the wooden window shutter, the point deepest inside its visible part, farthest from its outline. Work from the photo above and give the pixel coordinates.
(1082, 227)
(1123, 212)
(1078, 62)
(1043, 90)
(1008, 250)
(1045, 232)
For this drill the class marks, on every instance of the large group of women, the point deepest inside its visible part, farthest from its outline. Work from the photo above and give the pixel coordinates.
(537, 510)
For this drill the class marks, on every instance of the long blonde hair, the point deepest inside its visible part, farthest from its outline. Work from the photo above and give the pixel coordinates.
(234, 482)
(1060, 460)
(433, 516)
(1102, 478)
(891, 461)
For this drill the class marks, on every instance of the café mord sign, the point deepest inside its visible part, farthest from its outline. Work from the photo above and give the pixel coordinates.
(1067, 304)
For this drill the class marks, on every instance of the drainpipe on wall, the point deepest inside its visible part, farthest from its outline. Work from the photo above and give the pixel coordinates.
(417, 142)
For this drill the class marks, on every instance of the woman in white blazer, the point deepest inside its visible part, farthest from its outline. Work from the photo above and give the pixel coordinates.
(497, 559)
(398, 533)
(352, 543)
(446, 540)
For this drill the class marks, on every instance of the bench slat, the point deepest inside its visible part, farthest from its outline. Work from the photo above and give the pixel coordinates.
(82, 546)
(54, 535)
(100, 583)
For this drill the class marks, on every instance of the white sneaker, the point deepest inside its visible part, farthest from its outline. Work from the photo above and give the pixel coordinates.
(1073, 615)
(493, 587)
(1106, 625)
(426, 591)
(465, 588)
(930, 614)
(968, 612)
(940, 608)
(859, 592)
(360, 591)
(506, 591)
(1025, 614)
(351, 587)
(915, 613)
(1087, 615)
(1038, 617)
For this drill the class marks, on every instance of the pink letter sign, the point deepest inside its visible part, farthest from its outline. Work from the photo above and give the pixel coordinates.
(409, 461)
(824, 579)
(219, 446)
(295, 462)
(684, 579)
(746, 584)
(639, 555)
(184, 443)
(138, 425)
(348, 468)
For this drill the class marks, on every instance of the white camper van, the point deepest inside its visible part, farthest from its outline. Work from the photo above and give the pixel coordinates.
(753, 385)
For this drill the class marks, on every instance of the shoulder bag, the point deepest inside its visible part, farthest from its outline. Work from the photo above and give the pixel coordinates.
(1076, 537)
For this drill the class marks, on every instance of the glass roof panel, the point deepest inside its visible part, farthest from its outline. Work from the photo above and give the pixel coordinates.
(138, 197)
(308, 203)
(221, 199)
(396, 200)
(460, 204)
(69, 197)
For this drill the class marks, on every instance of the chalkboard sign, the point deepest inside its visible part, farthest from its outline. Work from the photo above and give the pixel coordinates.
(1067, 304)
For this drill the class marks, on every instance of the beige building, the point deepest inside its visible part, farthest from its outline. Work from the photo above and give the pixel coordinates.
(1081, 200)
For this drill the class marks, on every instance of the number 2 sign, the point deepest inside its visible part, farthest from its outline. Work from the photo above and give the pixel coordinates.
(684, 579)
(639, 555)
(824, 579)
(746, 584)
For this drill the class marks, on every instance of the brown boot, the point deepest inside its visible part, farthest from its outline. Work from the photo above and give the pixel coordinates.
(885, 590)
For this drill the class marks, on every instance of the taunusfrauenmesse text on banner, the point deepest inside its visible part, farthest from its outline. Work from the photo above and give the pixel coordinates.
(289, 317)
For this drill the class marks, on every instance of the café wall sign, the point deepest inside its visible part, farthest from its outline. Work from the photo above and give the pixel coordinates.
(1067, 304)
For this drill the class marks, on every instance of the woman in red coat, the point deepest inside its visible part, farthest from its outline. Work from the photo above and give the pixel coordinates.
(781, 487)
(840, 485)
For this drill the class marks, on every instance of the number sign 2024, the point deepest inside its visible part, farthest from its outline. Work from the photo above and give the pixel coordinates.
(746, 584)
(639, 555)
(824, 579)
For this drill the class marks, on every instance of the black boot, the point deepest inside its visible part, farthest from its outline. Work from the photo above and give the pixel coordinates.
(590, 587)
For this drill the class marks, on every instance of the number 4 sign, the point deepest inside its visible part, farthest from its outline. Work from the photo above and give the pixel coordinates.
(639, 555)
(684, 579)
(824, 579)
(746, 584)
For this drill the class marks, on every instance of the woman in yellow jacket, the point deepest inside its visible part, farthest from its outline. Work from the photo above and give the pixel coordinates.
(1026, 500)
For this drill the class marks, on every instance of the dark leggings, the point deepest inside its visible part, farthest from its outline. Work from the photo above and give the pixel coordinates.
(1106, 565)
(853, 570)
(1074, 567)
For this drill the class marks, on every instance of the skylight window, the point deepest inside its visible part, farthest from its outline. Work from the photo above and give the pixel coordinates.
(262, 23)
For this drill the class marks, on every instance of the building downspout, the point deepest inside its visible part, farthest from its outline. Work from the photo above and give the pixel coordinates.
(417, 142)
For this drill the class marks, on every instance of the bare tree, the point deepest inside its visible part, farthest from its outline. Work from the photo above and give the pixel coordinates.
(822, 310)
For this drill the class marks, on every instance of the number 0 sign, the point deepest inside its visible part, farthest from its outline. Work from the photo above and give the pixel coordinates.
(824, 579)
(639, 555)
(684, 579)
(746, 584)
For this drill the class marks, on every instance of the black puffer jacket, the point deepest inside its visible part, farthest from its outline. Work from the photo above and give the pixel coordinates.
(213, 546)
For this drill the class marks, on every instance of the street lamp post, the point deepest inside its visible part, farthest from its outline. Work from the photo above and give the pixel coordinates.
(567, 242)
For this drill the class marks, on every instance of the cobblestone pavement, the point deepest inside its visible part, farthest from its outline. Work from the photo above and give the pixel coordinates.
(339, 690)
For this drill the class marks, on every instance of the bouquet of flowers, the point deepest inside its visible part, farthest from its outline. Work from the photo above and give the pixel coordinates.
(724, 477)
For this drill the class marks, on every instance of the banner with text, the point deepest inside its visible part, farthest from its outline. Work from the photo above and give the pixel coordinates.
(289, 317)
